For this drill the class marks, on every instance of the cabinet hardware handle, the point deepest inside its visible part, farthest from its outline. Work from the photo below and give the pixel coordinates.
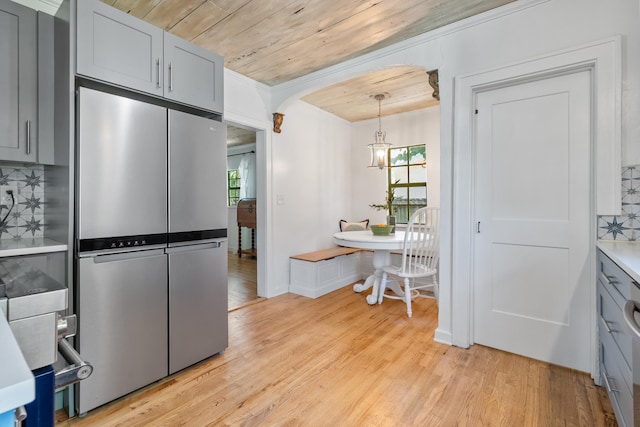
(610, 280)
(628, 313)
(158, 73)
(606, 326)
(170, 77)
(478, 227)
(28, 136)
(608, 386)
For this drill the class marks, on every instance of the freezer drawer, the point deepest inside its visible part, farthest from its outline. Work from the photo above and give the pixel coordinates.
(197, 303)
(122, 322)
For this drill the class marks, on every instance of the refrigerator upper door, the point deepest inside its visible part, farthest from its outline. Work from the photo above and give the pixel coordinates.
(122, 166)
(197, 173)
(198, 319)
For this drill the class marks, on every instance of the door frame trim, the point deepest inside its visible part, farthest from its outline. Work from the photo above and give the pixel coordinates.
(264, 208)
(603, 59)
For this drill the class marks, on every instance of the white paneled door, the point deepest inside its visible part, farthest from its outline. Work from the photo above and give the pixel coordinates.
(533, 208)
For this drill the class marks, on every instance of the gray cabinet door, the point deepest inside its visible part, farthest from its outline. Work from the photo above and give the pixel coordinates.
(193, 75)
(46, 93)
(18, 83)
(118, 48)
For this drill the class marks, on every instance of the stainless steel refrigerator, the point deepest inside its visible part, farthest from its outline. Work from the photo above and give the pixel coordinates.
(151, 246)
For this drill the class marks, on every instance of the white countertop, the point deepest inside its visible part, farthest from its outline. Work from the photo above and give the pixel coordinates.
(17, 385)
(625, 254)
(9, 247)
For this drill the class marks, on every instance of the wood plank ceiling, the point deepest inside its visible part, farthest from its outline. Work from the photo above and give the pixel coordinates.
(239, 136)
(274, 41)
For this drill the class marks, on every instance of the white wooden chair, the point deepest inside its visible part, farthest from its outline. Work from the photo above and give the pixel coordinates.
(420, 255)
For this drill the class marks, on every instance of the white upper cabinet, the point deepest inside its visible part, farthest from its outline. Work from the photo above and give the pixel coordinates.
(118, 48)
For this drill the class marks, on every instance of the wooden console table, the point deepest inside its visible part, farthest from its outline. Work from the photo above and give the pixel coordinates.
(247, 218)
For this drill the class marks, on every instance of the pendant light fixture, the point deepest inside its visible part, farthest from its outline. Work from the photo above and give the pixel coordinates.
(379, 150)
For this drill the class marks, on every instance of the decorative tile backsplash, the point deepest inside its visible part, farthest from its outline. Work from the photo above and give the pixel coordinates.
(26, 218)
(627, 225)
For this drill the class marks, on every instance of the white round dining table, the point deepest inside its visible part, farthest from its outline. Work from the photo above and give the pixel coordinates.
(382, 247)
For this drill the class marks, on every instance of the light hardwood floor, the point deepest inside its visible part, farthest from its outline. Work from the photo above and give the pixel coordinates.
(336, 361)
(243, 283)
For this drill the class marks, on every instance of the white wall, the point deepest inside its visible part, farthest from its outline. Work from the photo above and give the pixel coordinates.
(312, 175)
(520, 31)
(369, 184)
(247, 103)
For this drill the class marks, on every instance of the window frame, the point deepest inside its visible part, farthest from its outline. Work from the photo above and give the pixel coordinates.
(233, 189)
(393, 186)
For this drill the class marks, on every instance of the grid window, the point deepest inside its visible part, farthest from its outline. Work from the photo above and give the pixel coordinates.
(408, 180)
(233, 187)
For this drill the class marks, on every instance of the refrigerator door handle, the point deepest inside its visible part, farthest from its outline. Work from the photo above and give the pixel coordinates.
(193, 247)
(127, 255)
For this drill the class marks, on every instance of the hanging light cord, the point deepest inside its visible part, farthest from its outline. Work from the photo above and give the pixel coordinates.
(379, 113)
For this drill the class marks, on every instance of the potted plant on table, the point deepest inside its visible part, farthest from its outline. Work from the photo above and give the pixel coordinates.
(388, 206)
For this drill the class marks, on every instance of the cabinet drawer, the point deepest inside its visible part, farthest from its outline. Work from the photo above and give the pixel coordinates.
(614, 279)
(613, 380)
(610, 321)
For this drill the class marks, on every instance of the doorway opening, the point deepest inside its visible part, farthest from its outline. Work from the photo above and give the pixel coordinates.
(241, 192)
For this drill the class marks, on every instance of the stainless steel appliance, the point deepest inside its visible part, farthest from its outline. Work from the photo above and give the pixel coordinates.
(33, 303)
(151, 242)
(33, 300)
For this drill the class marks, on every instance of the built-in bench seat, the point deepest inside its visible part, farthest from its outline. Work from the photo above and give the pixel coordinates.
(314, 274)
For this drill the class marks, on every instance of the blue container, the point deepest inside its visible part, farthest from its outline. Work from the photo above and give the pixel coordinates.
(7, 419)
(41, 412)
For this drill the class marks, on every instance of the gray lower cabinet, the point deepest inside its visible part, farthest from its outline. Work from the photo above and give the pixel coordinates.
(615, 339)
(18, 82)
(117, 48)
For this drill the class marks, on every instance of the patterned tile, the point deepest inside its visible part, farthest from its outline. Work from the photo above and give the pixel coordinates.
(631, 191)
(627, 225)
(25, 219)
(631, 172)
(632, 211)
(30, 226)
(614, 228)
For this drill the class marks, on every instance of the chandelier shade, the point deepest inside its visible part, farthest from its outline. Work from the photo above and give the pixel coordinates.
(379, 150)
